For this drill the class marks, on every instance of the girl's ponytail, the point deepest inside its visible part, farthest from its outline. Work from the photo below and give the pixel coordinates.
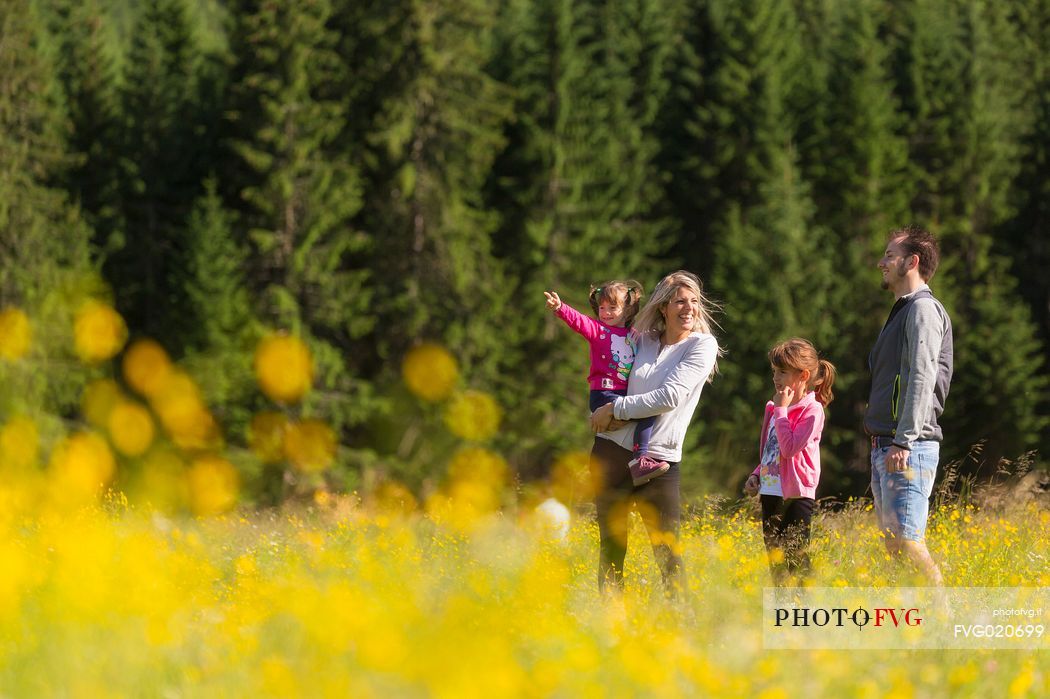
(824, 380)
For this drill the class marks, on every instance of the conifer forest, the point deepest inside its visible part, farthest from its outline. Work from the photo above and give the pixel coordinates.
(380, 178)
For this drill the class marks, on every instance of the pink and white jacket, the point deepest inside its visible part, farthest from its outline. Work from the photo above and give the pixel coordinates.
(612, 349)
(798, 429)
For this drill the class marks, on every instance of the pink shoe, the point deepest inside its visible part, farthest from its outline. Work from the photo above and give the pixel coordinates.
(645, 468)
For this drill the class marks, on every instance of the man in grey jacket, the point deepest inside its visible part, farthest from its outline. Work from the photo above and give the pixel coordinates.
(911, 369)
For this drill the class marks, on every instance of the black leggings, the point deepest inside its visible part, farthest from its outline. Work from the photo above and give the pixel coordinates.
(785, 529)
(658, 502)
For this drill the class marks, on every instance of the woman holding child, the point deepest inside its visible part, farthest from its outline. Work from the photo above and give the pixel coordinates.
(675, 356)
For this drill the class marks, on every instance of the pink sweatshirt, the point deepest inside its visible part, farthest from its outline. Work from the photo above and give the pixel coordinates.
(612, 349)
(798, 429)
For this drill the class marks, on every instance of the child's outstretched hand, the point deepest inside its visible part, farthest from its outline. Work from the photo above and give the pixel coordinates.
(751, 487)
(553, 300)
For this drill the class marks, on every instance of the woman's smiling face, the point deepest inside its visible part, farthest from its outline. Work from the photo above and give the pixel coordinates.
(681, 313)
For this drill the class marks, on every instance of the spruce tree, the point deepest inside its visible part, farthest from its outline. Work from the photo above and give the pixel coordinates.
(41, 234)
(44, 264)
(736, 70)
(962, 82)
(225, 330)
(296, 196)
(1024, 237)
(856, 161)
(435, 123)
(772, 264)
(1026, 240)
(160, 178)
(679, 157)
(424, 122)
(578, 183)
(85, 48)
(754, 232)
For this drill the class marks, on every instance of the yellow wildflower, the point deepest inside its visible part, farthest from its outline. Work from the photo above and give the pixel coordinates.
(473, 415)
(80, 466)
(146, 367)
(130, 428)
(19, 444)
(430, 372)
(15, 333)
(213, 485)
(310, 445)
(98, 332)
(284, 368)
(266, 436)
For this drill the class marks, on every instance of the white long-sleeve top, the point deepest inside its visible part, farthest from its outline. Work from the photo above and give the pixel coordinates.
(667, 383)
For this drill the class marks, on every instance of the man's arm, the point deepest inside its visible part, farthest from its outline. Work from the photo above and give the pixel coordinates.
(923, 334)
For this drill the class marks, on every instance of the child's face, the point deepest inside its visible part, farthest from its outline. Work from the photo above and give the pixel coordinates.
(790, 377)
(612, 312)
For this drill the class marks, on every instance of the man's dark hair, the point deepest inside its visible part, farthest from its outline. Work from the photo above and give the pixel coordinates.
(919, 241)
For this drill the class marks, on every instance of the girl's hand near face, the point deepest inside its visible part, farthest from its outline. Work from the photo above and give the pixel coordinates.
(792, 385)
(783, 397)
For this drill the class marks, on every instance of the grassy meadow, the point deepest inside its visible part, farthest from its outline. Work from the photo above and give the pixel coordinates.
(280, 396)
(346, 597)
(135, 563)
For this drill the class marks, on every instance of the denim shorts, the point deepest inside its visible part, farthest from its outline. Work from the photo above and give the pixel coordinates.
(902, 499)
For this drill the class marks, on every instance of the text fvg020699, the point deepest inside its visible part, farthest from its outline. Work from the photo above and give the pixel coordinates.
(999, 630)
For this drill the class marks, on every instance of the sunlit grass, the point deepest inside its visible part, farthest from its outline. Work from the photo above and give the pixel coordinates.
(131, 565)
(356, 599)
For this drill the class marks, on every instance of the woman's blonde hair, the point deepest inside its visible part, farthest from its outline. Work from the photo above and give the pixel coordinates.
(799, 354)
(650, 320)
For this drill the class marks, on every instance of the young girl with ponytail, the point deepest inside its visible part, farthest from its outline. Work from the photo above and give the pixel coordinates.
(789, 449)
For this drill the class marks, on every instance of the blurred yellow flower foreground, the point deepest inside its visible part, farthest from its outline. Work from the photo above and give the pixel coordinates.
(350, 599)
(463, 593)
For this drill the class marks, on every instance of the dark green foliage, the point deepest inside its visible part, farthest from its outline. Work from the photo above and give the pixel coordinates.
(376, 174)
(225, 331)
(856, 160)
(425, 122)
(296, 196)
(963, 104)
(83, 39)
(735, 121)
(578, 183)
(44, 263)
(1023, 239)
(439, 117)
(40, 233)
(765, 256)
(161, 145)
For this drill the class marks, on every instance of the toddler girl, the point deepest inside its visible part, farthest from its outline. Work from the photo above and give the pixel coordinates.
(615, 304)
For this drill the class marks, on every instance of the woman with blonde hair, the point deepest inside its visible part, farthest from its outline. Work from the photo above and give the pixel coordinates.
(676, 355)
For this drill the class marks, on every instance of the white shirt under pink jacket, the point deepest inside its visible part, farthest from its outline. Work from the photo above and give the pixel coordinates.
(798, 430)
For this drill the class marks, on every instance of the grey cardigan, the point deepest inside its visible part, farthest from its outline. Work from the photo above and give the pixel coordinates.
(667, 384)
(911, 369)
